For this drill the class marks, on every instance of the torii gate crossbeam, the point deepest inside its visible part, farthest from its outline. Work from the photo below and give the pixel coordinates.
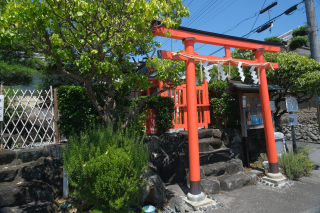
(189, 37)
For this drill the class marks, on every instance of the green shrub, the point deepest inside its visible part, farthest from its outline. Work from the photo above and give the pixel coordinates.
(300, 31)
(106, 168)
(75, 109)
(165, 110)
(295, 165)
(297, 42)
(223, 106)
(273, 39)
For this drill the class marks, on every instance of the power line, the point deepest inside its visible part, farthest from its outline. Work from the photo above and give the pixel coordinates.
(220, 11)
(258, 15)
(271, 21)
(204, 9)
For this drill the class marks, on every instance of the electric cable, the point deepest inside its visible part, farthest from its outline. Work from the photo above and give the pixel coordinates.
(270, 21)
(201, 13)
(258, 15)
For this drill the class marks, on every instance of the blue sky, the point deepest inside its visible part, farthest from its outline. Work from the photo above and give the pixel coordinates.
(218, 16)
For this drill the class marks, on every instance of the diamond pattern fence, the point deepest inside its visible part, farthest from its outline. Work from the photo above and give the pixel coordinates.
(28, 118)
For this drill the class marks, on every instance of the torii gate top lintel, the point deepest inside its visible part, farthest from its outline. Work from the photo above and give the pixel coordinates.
(217, 39)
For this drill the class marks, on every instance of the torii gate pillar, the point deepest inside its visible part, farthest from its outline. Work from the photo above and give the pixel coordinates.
(266, 112)
(193, 141)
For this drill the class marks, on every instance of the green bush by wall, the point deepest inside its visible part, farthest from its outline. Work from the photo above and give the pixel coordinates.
(106, 168)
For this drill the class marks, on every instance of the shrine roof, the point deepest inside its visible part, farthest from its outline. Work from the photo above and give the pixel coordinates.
(248, 86)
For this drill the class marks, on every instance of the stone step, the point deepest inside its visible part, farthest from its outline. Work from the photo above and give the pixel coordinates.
(202, 133)
(218, 155)
(214, 170)
(222, 168)
(18, 194)
(33, 207)
(239, 180)
(209, 144)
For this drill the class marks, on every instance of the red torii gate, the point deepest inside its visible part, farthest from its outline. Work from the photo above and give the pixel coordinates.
(189, 37)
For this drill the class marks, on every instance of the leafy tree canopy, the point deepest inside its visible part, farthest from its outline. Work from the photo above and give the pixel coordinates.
(96, 36)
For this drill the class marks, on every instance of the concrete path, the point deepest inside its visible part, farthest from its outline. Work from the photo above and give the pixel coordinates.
(303, 196)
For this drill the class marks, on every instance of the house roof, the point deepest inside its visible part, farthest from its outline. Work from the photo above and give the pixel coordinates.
(287, 36)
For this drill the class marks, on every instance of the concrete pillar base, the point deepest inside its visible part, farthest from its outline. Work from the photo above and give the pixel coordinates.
(276, 178)
(199, 201)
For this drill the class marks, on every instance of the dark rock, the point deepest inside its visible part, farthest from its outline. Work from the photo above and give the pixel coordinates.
(177, 204)
(27, 192)
(16, 162)
(217, 206)
(209, 208)
(210, 186)
(205, 133)
(220, 156)
(228, 183)
(202, 175)
(204, 208)
(231, 137)
(253, 177)
(221, 204)
(267, 184)
(216, 133)
(236, 151)
(47, 170)
(7, 156)
(271, 184)
(9, 174)
(33, 207)
(234, 166)
(55, 151)
(209, 144)
(263, 181)
(276, 185)
(29, 155)
(213, 206)
(215, 169)
(153, 192)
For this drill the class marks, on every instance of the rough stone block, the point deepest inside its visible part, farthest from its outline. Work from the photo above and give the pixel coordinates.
(29, 155)
(233, 167)
(202, 175)
(220, 156)
(55, 150)
(253, 177)
(210, 186)
(27, 192)
(215, 169)
(228, 183)
(8, 174)
(7, 156)
(205, 133)
(209, 144)
(177, 204)
(33, 207)
(231, 137)
(216, 133)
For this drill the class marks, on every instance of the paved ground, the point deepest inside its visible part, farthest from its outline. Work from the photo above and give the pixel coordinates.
(303, 196)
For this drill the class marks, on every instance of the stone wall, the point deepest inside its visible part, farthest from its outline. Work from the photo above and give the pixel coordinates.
(307, 129)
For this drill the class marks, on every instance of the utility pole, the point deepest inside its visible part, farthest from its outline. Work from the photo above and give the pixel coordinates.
(313, 38)
(312, 30)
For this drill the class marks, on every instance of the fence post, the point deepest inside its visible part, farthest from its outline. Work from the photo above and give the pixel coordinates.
(56, 117)
(1, 122)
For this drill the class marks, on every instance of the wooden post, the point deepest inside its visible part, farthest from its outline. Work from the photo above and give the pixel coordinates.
(245, 149)
(56, 117)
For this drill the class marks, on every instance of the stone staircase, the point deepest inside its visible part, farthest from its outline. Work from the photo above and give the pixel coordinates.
(219, 169)
(30, 179)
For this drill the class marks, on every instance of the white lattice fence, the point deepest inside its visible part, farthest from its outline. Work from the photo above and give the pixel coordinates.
(28, 119)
